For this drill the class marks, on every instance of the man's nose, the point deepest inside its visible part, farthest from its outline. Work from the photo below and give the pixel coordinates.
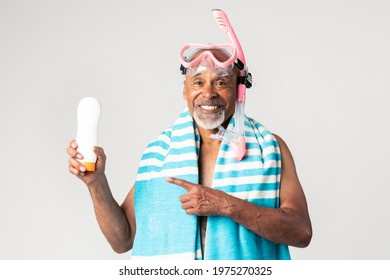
(209, 91)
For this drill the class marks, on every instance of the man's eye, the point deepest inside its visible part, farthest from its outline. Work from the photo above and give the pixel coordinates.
(198, 83)
(221, 83)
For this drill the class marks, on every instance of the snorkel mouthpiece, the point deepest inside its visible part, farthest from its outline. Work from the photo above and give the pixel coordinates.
(235, 138)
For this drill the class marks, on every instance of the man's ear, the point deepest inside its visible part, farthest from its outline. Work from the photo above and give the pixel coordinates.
(185, 90)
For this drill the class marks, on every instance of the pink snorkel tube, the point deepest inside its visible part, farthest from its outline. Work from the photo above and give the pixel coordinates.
(235, 138)
(224, 24)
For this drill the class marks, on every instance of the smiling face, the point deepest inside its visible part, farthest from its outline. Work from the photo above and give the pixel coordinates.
(211, 94)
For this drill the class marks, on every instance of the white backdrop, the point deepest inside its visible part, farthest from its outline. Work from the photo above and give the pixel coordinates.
(321, 81)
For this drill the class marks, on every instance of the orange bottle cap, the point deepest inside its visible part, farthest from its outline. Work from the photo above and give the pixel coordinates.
(90, 166)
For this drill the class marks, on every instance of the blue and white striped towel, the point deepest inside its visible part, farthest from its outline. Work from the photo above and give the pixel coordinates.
(165, 231)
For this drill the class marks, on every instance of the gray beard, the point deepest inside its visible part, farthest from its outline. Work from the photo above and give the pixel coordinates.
(209, 121)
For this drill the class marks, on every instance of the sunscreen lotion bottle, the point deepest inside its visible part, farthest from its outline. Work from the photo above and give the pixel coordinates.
(88, 114)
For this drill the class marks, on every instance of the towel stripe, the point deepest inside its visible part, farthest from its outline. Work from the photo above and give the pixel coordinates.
(165, 231)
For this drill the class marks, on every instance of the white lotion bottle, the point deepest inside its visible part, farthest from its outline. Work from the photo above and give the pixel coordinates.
(88, 115)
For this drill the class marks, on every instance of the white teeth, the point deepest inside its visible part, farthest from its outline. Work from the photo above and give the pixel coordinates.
(207, 107)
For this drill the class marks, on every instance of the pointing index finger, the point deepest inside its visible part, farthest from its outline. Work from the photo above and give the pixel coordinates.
(181, 183)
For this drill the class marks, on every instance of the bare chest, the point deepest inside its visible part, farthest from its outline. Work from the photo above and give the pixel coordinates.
(206, 162)
(207, 159)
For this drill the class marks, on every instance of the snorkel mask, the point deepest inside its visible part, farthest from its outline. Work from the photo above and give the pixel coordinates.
(235, 58)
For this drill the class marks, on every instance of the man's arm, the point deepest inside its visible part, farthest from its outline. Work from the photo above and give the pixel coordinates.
(117, 223)
(290, 224)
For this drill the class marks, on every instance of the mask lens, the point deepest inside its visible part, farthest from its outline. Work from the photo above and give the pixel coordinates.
(192, 55)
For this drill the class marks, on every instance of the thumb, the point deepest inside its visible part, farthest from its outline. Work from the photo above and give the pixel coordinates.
(99, 152)
(101, 156)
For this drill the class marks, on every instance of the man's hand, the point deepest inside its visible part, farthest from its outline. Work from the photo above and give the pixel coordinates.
(201, 200)
(78, 169)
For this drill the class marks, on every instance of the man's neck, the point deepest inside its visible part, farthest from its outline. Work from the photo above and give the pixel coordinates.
(205, 136)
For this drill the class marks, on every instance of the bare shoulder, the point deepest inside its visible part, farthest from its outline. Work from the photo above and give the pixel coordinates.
(282, 144)
(291, 191)
(287, 158)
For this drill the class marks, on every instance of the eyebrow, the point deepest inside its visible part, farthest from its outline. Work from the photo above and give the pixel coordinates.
(197, 74)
